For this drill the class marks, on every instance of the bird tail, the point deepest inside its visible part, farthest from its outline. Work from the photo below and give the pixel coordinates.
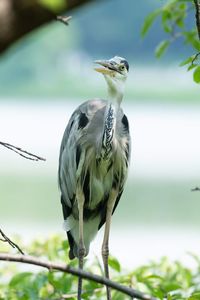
(71, 226)
(72, 246)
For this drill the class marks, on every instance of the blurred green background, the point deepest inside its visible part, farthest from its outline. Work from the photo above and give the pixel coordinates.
(45, 75)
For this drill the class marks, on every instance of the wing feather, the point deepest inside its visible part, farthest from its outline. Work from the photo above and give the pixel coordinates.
(71, 148)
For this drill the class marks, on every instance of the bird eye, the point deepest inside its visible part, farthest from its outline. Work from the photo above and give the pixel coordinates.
(122, 68)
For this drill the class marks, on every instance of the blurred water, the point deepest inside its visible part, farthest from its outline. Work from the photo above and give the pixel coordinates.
(165, 139)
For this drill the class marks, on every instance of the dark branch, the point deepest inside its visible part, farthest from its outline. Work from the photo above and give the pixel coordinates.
(76, 272)
(11, 243)
(197, 15)
(22, 152)
(196, 56)
(19, 17)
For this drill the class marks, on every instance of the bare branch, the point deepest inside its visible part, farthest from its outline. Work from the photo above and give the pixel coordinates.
(63, 19)
(196, 56)
(19, 17)
(76, 272)
(197, 8)
(11, 243)
(22, 152)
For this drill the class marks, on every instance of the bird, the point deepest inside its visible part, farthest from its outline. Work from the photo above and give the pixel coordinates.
(93, 165)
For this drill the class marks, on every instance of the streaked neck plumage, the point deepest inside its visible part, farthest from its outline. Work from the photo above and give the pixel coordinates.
(114, 100)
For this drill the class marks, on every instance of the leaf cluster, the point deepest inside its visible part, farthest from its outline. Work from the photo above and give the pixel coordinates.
(54, 5)
(193, 63)
(164, 280)
(173, 15)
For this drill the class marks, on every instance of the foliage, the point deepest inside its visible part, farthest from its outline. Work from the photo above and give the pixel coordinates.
(54, 5)
(163, 279)
(175, 17)
(56, 59)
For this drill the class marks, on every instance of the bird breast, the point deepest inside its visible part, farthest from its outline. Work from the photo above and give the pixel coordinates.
(100, 176)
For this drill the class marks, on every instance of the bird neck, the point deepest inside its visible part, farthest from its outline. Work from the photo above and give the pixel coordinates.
(115, 97)
(108, 131)
(111, 113)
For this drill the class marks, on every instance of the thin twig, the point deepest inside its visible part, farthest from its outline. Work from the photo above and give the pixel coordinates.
(22, 152)
(11, 243)
(63, 19)
(197, 15)
(76, 272)
(99, 264)
(195, 57)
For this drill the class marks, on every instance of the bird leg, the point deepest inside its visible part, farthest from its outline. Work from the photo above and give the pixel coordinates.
(81, 249)
(105, 246)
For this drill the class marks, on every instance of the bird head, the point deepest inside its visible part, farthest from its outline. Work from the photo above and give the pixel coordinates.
(115, 71)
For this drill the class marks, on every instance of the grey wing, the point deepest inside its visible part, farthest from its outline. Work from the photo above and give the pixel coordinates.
(71, 151)
(67, 165)
(67, 174)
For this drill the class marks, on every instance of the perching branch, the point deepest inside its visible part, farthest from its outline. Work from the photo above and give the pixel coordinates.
(22, 152)
(11, 243)
(76, 272)
(197, 15)
(19, 17)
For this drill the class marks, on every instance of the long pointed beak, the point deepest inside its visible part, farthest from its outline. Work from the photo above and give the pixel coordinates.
(108, 67)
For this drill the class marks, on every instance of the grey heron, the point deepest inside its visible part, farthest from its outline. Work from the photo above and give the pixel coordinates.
(93, 165)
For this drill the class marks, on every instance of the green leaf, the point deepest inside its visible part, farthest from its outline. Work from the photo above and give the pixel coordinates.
(54, 5)
(196, 44)
(118, 296)
(187, 61)
(192, 66)
(161, 48)
(196, 294)
(166, 21)
(18, 279)
(153, 276)
(158, 293)
(171, 286)
(114, 264)
(149, 21)
(196, 75)
(192, 39)
(169, 297)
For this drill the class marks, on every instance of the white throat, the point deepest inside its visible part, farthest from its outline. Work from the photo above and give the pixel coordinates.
(115, 96)
(115, 90)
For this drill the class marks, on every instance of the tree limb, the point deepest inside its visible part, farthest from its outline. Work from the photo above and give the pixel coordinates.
(19, 17)
(11, 243)
(197, 8)
(22, 152)
(76, 272)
